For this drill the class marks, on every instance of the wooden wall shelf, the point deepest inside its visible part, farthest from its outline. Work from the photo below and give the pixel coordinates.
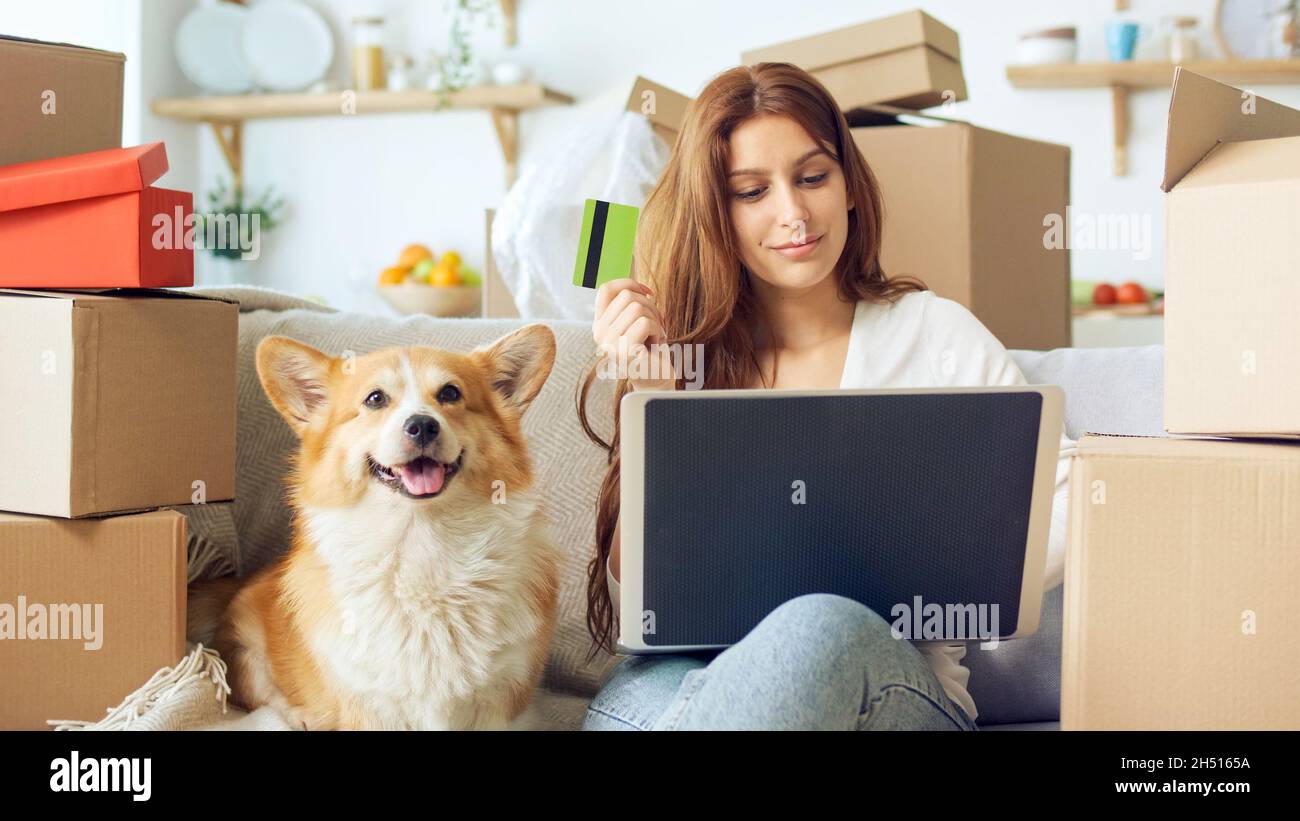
(1121, 78)
(1152, 74)
(226, 115)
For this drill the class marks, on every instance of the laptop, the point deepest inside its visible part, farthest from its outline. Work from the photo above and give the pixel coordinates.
(932, 506)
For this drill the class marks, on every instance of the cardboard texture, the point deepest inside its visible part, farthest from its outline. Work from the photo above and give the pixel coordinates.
(909, 60)
(58, 99)
(114, 401)
(108, 595)
(665, 108)
(1179, 608)
(964, 212)
(1232, 266)
(88, 221)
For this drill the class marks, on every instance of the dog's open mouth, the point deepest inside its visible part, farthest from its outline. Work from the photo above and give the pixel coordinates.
(421, 478)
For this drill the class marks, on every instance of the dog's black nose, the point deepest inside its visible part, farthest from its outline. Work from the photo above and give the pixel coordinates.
(423, 429)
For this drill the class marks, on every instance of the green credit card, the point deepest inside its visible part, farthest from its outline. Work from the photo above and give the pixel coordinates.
(605, 244)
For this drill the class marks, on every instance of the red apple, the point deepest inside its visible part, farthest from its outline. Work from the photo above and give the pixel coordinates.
(1131, 293)
(1104, 294)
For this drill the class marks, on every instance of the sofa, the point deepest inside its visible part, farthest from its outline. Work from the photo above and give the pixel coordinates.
(1016, 685)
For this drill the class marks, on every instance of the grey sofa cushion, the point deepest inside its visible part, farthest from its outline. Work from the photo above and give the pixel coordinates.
(1107, 390)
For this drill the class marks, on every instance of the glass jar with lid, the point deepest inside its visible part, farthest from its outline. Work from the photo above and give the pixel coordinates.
(368, 70)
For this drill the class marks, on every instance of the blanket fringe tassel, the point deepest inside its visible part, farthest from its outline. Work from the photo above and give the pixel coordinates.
(201, 663)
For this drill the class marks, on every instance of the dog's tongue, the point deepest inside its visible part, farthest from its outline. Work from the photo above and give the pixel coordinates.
(423, 476)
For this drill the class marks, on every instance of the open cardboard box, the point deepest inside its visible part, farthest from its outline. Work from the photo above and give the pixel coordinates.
(1232, 262)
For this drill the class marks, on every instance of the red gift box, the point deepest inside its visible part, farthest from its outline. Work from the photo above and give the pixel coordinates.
(93, 221)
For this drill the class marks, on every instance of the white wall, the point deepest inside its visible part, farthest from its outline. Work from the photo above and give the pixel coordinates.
(361, 188)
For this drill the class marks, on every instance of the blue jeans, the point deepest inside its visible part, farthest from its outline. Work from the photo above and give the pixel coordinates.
(817, 662)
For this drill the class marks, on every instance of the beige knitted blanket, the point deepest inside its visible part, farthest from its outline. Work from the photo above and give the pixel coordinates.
(241, 536)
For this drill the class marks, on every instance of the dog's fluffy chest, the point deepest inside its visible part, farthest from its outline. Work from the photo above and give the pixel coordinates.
(427, 613)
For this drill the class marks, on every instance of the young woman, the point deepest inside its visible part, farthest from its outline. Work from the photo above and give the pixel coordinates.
(761, 242)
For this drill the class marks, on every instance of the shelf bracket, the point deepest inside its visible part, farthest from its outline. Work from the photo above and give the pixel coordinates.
(1119, 118)
(508, 15)
(230, 136)
(506, 121)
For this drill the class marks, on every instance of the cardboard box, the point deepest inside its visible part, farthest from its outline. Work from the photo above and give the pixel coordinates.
(1232, 263)
(909, 60)
(964, 212)
(58, 99)
(93, 221)
(665, 108)
(89, 611)
(118, 400)
(1179, 608)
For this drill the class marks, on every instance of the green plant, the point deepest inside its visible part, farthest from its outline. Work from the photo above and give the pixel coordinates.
(457, 66)
(225, 202)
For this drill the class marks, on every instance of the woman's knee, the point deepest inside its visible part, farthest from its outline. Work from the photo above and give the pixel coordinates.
(841, 630)
(827, 614)
(836, 638)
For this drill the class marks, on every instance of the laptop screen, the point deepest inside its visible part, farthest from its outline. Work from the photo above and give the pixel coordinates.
(889, 499)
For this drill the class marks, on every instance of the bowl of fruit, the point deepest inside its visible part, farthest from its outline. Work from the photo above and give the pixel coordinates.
(423, 283)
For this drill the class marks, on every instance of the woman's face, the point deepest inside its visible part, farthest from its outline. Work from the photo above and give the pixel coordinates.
(784, 190)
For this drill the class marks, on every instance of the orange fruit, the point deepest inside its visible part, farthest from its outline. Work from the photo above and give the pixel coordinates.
(393, 276)
(412, 254)
(444, 276)
(451, 259)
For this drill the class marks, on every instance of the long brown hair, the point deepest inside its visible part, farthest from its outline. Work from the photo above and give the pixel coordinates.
(686, 252)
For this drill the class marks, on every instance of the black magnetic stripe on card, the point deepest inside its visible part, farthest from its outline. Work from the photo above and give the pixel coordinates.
(594, 242)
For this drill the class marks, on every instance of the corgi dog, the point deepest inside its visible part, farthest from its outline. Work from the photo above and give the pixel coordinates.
(420, 587)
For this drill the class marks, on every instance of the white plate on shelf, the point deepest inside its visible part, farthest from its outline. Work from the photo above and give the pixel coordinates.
(287, 45)
(209, 51)
(1244, 26)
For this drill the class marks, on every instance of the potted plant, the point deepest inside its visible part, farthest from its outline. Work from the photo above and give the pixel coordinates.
(232, 229)
(458, 68)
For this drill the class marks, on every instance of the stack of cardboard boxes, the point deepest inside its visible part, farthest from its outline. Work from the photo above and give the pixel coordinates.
(1184, 552)
(116, 399)
(964, 206)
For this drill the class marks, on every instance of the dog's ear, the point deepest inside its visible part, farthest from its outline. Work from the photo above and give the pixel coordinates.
(519, 363)
(294, 377)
